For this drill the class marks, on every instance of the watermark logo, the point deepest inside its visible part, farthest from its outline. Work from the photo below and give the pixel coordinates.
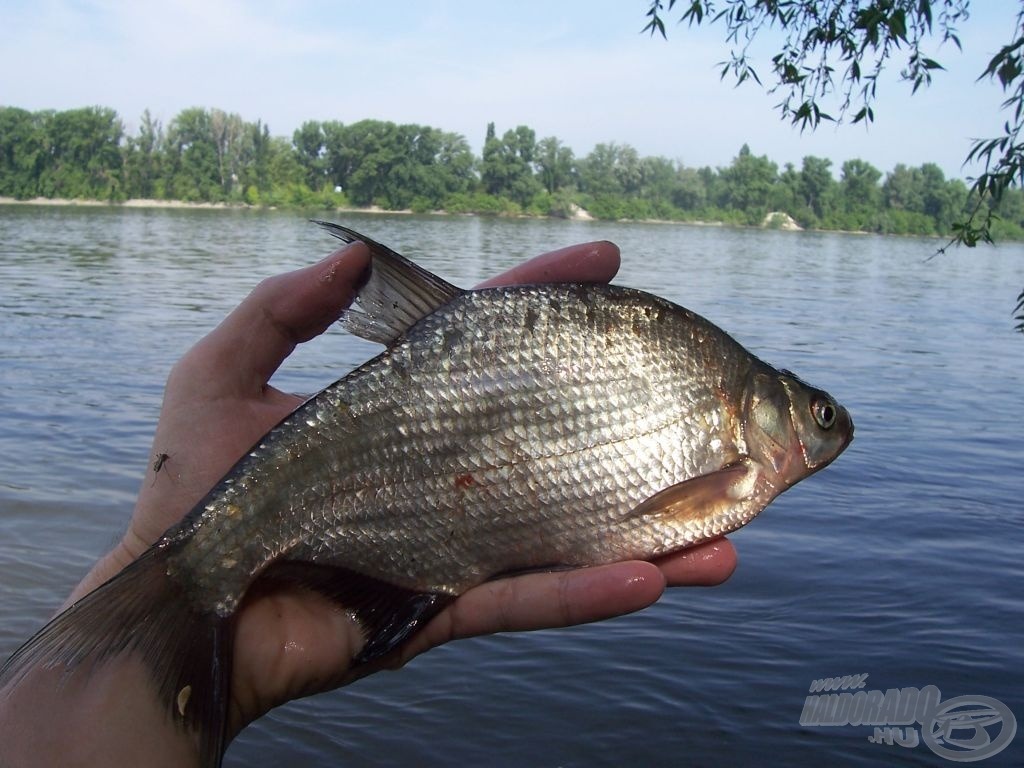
(963, 729)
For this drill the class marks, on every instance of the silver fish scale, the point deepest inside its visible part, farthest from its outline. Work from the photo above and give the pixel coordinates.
(511, 429)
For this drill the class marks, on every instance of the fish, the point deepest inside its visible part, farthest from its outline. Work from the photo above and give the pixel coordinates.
(502, 430)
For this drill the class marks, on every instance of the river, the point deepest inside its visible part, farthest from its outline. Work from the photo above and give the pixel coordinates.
(902, 561)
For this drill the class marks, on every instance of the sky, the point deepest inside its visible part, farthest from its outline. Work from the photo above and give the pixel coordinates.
(579, 70)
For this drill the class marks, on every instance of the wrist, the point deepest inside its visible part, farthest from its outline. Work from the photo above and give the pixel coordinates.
(46, 721)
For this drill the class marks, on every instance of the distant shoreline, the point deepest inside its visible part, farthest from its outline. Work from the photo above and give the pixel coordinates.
(580, 214)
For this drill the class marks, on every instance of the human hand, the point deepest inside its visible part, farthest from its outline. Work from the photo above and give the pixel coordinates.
(218, 402)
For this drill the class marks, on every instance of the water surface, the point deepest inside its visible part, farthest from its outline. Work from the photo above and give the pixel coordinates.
(902, 560)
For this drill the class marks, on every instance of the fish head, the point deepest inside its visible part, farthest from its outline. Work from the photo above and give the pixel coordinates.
(791, 428)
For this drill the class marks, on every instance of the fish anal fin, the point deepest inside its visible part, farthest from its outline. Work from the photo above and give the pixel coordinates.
(141, 613)
(387, 614)
(698, 497)
(397, 294)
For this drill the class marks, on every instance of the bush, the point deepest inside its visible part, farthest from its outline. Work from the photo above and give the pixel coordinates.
(481, 203)
(421, 205)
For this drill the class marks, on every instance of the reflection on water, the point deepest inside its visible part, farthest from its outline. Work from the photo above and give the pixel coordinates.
(901, 560)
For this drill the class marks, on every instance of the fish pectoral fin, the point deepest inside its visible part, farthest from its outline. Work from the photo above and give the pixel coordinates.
(387, 614)
(697, 496)
(395, 296)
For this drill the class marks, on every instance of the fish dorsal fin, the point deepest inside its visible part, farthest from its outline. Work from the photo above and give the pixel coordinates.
(396, 295)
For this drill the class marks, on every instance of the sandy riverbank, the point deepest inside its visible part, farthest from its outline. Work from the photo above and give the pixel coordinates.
(578, 214)
(136, 203)
(145, 203)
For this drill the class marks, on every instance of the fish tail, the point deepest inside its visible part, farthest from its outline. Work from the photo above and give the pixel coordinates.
(144, 612)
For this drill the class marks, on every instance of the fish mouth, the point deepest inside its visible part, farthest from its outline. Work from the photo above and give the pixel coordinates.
(849, 425)
(843, 427)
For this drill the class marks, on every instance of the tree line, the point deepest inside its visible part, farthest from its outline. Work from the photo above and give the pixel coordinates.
(207, 155)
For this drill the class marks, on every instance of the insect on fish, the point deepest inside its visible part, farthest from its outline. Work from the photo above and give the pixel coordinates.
(501, 430)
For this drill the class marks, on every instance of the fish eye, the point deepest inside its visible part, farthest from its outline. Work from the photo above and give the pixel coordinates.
(824, 412)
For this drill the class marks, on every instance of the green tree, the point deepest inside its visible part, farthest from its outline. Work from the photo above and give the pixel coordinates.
(831, 52)
(338, 157)
(903, 194)
(789, 190)
(785, 196)
(597, 171)
(83, 149)
(555, 164)
(212, 156)
(627, 170)
(310, 150)
(142, 159)
(251, 170)
(747, 185)
(490, 172)
(396, 166)
(944, 201)
(455, 164)
(231, 142)
(817, 186)
(915, 195)
(286, 179)
(659, 178)
(904, 189)
(689, 192)
(506, 168)
(858, 184)
(209, 155)
(714, 186)
(374, 150)
(1009, 220)
(192, 169)
(22, 152)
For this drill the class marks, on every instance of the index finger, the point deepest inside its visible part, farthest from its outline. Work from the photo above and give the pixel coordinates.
(595, 262)
(282, 311)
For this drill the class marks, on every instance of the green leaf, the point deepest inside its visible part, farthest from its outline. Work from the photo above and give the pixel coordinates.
(898, 25)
